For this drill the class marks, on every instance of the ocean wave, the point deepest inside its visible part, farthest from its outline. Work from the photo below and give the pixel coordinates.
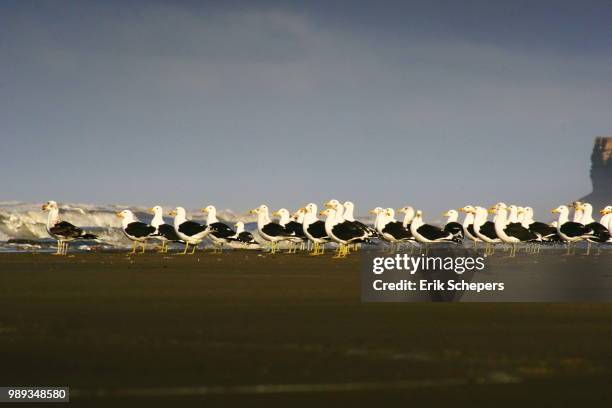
(26, 221)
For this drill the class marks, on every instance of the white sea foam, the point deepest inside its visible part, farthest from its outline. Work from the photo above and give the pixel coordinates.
(26, 221)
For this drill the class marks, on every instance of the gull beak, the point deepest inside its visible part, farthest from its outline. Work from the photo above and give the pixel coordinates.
(554, 210)
(602, 212)
(172, 213)
(253, 211)
(322, 212)
(203, 210)
(275, 213)
(44, 207)
(491, 210)
(372, 212)
(445, 214)
(400, 210)
(118, 214)
(151, 211)
(462, 209)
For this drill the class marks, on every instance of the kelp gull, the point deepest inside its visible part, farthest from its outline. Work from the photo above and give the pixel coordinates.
(191, 232)
(62, 231)
(138, 232)
(164, 232)
(220, 233)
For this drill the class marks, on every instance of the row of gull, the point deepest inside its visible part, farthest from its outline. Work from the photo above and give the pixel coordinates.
(511, 225)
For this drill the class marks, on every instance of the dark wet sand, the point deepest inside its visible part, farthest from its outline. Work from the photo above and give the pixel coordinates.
(237, 329)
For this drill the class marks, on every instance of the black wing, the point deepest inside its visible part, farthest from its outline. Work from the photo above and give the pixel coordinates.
(246, 237)
(601, 233)
(167, 231)
(274, 230)
(454, 228)
(139, 229)
(516, 230)
(221, 230)
(433, 233)
(191, 228)
(574, 229)
(488, 230)
(542, 229)
(396, 230)
(317, 229)
(295, 228)
(470, 229)
(369, 230)
(347, 231)
(66, 230)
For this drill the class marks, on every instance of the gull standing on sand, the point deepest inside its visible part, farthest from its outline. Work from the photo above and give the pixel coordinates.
(242, 236)
(343, 233)
(599, 231)
(163, 232)
(570, 231)
(392, 230)
(62, 231)
(268, 230)
(314, 229)
(349, 210)
(219, 232)
(138, 232)
(547, 232)
(468, 224)
(428, 234)
(191, 232)
(292, 228)
(485, 230)
(452, 225)
(511, 232)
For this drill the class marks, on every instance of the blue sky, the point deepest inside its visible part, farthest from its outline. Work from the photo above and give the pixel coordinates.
(437, 103)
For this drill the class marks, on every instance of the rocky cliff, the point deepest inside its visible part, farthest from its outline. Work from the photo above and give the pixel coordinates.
(601, 174)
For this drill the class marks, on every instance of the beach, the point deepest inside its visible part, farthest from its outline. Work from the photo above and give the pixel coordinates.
(247, 327)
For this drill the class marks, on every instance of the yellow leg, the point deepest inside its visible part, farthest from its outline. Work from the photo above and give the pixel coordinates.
(143, 245)
(186, 247)
(133, 248)
(340, 252)
(315, 249)
(193, 250)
